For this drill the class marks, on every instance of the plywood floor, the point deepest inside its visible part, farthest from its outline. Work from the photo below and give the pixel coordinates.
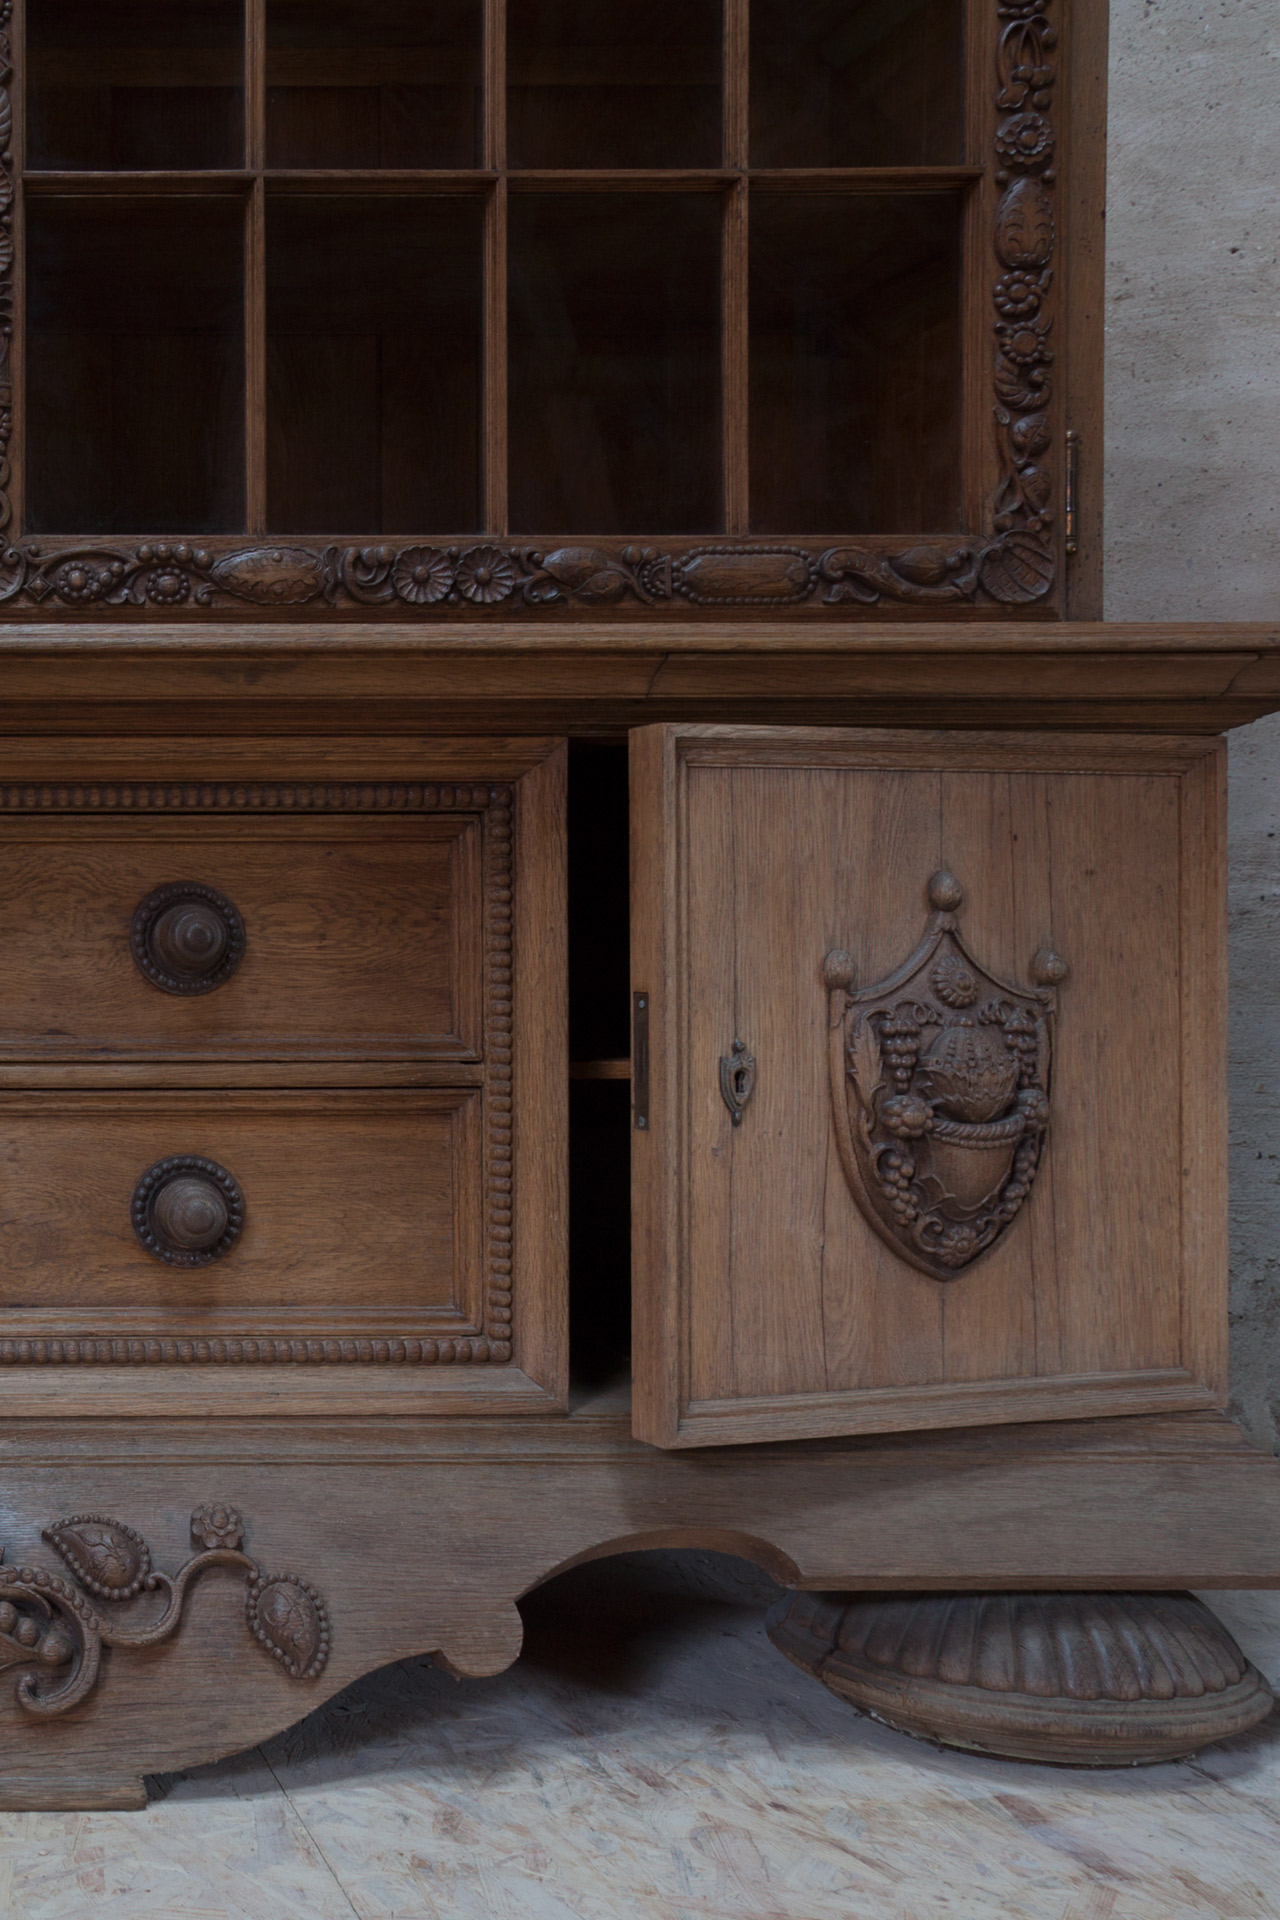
(652, 1758)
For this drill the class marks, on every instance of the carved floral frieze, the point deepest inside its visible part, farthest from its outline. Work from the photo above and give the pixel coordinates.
(1024, 247)
(1013, 568)
(51, 1629)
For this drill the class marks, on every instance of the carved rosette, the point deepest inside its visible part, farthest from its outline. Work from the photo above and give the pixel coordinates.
(940, 1089)
(49, 1627)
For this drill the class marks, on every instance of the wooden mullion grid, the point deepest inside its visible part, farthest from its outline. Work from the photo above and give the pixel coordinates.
(734, 316)
(255, 268)
(221, 180)
(374, 180)
(494, 448)
(206, 183)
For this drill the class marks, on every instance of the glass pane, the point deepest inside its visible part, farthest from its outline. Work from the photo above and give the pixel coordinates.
(373, 363)
(135, 365)
(855, 362)
(615, 363)
(613, 83)
(143, 84)
(373, 83)
(856, 83)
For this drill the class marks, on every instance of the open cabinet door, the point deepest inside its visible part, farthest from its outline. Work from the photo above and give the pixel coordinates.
(929, 1117)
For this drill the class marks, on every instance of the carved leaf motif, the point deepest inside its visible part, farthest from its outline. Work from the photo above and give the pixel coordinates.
(1017, 569)
(588, 573)
(1030, 436)
(924, 566)
(1024, 226)
(107, 1558)
(6, 118)
(1021, 387)
(269, 576)
(287, 1617)
(1036, 488)
(1021, 63)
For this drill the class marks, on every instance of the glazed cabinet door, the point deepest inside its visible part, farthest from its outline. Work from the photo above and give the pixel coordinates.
(929, 1112)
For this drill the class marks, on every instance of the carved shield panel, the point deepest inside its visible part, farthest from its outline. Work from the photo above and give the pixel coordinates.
(940, 1086)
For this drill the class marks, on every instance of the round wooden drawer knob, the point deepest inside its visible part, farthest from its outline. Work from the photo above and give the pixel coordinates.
(187, 1211)
(187, 938)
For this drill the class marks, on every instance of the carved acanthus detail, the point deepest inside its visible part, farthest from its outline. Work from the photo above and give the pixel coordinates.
(940, 1089)
(46, 1623)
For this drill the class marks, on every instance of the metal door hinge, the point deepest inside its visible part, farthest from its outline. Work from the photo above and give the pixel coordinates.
(1071, 499)
(640, 1061)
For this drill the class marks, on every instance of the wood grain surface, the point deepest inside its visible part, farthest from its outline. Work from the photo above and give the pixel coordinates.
(383, 1074)
(420, 1536)
(360, 1210)
(363, 937)
(760, 1287)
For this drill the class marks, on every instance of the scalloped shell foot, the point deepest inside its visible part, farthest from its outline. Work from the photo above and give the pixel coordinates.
(1079, 1679)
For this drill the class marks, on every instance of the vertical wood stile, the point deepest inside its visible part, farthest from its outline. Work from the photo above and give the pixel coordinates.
(12, 492)
(255, 268)
(734, 282)
(494, 384)
(979, 456)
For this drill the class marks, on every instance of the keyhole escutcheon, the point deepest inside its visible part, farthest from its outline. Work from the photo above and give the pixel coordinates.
(737, 1079)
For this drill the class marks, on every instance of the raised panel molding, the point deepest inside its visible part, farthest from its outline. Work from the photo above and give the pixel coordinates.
(485, 1341)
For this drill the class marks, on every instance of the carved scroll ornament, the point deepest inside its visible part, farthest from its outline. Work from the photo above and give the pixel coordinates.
(48, 1626)
(940, 1088)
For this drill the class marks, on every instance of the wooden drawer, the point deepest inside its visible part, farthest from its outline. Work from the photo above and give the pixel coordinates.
(363, 929)
(364, 1219)
(377, 1082)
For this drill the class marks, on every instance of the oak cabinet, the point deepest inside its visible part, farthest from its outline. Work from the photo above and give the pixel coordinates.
(598, 946)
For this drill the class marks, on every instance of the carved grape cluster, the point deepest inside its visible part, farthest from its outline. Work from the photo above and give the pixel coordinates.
(900, 1039)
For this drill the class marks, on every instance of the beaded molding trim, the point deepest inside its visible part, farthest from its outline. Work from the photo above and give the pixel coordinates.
(489, 1343)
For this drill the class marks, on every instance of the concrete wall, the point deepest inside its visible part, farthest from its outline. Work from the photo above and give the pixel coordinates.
(1193, 497)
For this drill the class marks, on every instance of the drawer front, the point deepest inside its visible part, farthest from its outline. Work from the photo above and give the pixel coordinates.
(360, 934)
(363, 1090)
(364, 1218)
